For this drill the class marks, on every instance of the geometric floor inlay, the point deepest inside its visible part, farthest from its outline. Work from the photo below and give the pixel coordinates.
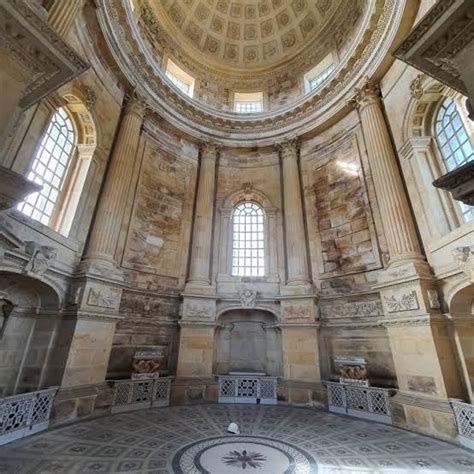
(194, 439)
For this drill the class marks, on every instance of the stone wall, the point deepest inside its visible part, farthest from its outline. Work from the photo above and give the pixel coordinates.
(344, 233)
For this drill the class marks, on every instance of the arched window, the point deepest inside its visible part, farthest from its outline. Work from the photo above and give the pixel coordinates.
(50, 166)
(248, 243)
(454, 143)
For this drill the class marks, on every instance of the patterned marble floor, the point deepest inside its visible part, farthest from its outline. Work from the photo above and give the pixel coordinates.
(193, 439)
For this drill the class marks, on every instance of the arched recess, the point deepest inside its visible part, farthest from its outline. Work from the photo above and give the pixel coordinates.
(437, 213)
(247, 194)
(461, 308)
(29, 325)
(248, 340)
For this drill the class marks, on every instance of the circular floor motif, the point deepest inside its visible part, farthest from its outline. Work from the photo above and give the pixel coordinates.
(234, 454)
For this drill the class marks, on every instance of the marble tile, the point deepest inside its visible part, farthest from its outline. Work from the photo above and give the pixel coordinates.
(193, 439)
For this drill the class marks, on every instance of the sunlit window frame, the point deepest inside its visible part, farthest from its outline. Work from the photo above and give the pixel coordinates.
(248, 240)
(50, 168)
(454, 143)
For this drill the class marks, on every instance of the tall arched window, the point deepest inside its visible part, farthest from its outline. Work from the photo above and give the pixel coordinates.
(454, 143)
(49, 167)
(248, 243)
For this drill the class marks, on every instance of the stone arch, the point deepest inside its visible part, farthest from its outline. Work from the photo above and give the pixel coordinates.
(461, 309)
(247, 194)
(247, 340)
(30, 310)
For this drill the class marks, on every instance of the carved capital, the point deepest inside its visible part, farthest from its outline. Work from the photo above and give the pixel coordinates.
(368, 93)
(210, 150)
(288, 148)
(135, 104)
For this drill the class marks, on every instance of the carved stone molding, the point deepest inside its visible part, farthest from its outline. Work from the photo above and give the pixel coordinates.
(436, 40)
(41, 257)
(14, 188)
(416, 87)
(459, 182)
(47, 61)
(463, 257)
(248, 298)
(186, 114)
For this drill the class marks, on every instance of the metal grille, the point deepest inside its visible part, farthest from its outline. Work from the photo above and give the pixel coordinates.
(42, 405)
(142, 391)
(336, 396)
(132, 395)
(378, 402)
(161, 390)
(357, 399)
(122, 393)
(247, 387)
(227, 388)
(24, 414)
(267, 389)
(464, 414)
(365, 402)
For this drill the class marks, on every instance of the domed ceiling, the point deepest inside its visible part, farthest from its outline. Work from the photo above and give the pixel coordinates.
(245, 34)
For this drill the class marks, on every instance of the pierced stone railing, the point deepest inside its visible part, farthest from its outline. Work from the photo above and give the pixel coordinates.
(25, 414)
(370, 403)
(132, 395)
(464, 415)
(247, 389)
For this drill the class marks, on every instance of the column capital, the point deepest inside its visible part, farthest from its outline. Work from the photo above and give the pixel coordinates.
(135, 104)
(288, 147)
(210, 150)
(368, 93)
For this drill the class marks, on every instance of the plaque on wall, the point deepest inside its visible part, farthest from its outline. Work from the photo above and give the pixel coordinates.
(352, 370)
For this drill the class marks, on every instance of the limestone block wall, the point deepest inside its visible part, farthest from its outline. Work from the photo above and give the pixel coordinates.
(345, 234)
(153, 250)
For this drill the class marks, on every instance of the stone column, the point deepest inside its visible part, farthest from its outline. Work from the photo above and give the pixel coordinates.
(396, 218)
(199, 273)
(62, 14)
(297, 260)
(108, 220)
(421, 347)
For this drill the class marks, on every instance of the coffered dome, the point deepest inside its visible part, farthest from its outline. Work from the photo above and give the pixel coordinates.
(245, 34)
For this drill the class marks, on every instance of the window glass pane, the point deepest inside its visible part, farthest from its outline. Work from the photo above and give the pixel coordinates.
(248, 236)
(49, 167)
(453, 142)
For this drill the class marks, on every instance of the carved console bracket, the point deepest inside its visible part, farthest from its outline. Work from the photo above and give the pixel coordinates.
(460, 183)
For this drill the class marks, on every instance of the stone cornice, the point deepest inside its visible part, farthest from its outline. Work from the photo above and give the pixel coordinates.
(198, 120)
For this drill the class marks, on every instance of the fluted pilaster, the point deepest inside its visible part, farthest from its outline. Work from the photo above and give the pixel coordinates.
(108, 220)
(203, 219)
(396, 217)
(62, 14)
(297, 258)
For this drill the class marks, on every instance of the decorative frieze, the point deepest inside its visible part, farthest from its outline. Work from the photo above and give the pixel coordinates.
(401, 301)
